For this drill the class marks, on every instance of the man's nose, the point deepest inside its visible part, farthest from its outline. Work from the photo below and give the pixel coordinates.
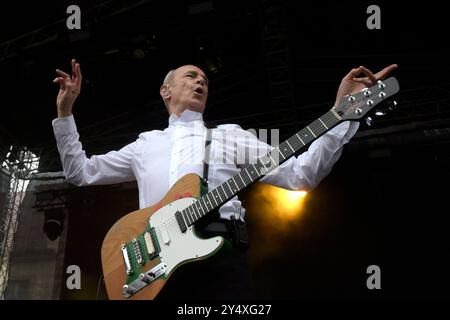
(200, 80)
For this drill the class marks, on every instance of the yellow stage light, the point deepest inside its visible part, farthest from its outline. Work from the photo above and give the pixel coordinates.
(289, 201)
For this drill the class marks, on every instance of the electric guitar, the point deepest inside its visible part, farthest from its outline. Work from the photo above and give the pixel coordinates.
(144, 248)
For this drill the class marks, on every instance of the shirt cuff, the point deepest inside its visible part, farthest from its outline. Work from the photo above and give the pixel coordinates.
(346, 129)
(64, 125)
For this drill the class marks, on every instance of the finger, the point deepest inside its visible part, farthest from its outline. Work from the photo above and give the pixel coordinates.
(386, 71)
(73, 64)
(77, 73)
(354, 72)
(60, 81)
(365, 81)
(62, 73)
(368, 73)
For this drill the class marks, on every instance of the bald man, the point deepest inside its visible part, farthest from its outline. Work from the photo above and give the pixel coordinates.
(157, 159)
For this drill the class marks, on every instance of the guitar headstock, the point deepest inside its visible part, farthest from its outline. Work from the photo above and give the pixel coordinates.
(356, 106)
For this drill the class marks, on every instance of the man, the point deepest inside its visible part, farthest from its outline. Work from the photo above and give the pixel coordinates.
(157, 159)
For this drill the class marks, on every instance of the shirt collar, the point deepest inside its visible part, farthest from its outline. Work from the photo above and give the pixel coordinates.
(185, 117)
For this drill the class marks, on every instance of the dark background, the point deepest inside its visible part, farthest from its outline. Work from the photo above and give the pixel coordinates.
(271, 64)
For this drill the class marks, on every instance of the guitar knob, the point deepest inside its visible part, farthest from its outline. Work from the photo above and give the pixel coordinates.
(369, 121)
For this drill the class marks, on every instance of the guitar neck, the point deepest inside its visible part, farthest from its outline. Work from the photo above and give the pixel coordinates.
(262, 167)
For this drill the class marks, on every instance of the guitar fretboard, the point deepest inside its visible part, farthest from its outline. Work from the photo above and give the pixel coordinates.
(253, 172)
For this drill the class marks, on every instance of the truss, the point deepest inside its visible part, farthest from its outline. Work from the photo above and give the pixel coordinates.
(50, 32)
(276, 54)
(19, 163)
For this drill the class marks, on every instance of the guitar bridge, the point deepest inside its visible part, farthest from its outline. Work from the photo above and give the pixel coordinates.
(144, 279)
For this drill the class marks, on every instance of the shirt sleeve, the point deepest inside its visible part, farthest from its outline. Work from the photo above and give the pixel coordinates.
(109, 168)
(309, 168)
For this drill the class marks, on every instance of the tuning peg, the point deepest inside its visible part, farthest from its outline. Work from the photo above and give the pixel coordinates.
(380, 113)
(392, 105)
(369, 121)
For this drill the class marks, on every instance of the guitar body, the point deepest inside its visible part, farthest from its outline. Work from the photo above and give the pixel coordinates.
(175, 247)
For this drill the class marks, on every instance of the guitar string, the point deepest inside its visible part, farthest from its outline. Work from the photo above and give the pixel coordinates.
(170, 225)
(314, 126)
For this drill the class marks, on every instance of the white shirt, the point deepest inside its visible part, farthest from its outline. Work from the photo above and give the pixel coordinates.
(157, 159)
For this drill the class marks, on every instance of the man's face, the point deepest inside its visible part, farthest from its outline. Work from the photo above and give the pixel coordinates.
(188, 88)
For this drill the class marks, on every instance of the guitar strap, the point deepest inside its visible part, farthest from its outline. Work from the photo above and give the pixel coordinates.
(207, 155)
(212, 216)
(237, 228)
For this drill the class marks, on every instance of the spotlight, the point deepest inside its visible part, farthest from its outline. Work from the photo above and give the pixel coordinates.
(292, 198)
(291, 202)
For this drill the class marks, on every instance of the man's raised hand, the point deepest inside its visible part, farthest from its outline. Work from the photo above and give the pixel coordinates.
(353, 82)
(69, 89)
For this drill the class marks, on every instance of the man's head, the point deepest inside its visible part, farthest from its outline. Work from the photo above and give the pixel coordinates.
(185, 88)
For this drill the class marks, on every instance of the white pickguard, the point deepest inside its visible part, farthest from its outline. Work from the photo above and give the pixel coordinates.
(177, 247)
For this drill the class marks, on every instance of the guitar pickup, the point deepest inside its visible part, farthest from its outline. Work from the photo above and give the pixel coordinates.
(149, 244)
(126, 259)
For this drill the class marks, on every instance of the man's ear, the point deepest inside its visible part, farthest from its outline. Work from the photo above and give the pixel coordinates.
(164, 91)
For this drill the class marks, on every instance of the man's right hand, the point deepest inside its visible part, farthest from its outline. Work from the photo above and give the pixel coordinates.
(69, 89)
